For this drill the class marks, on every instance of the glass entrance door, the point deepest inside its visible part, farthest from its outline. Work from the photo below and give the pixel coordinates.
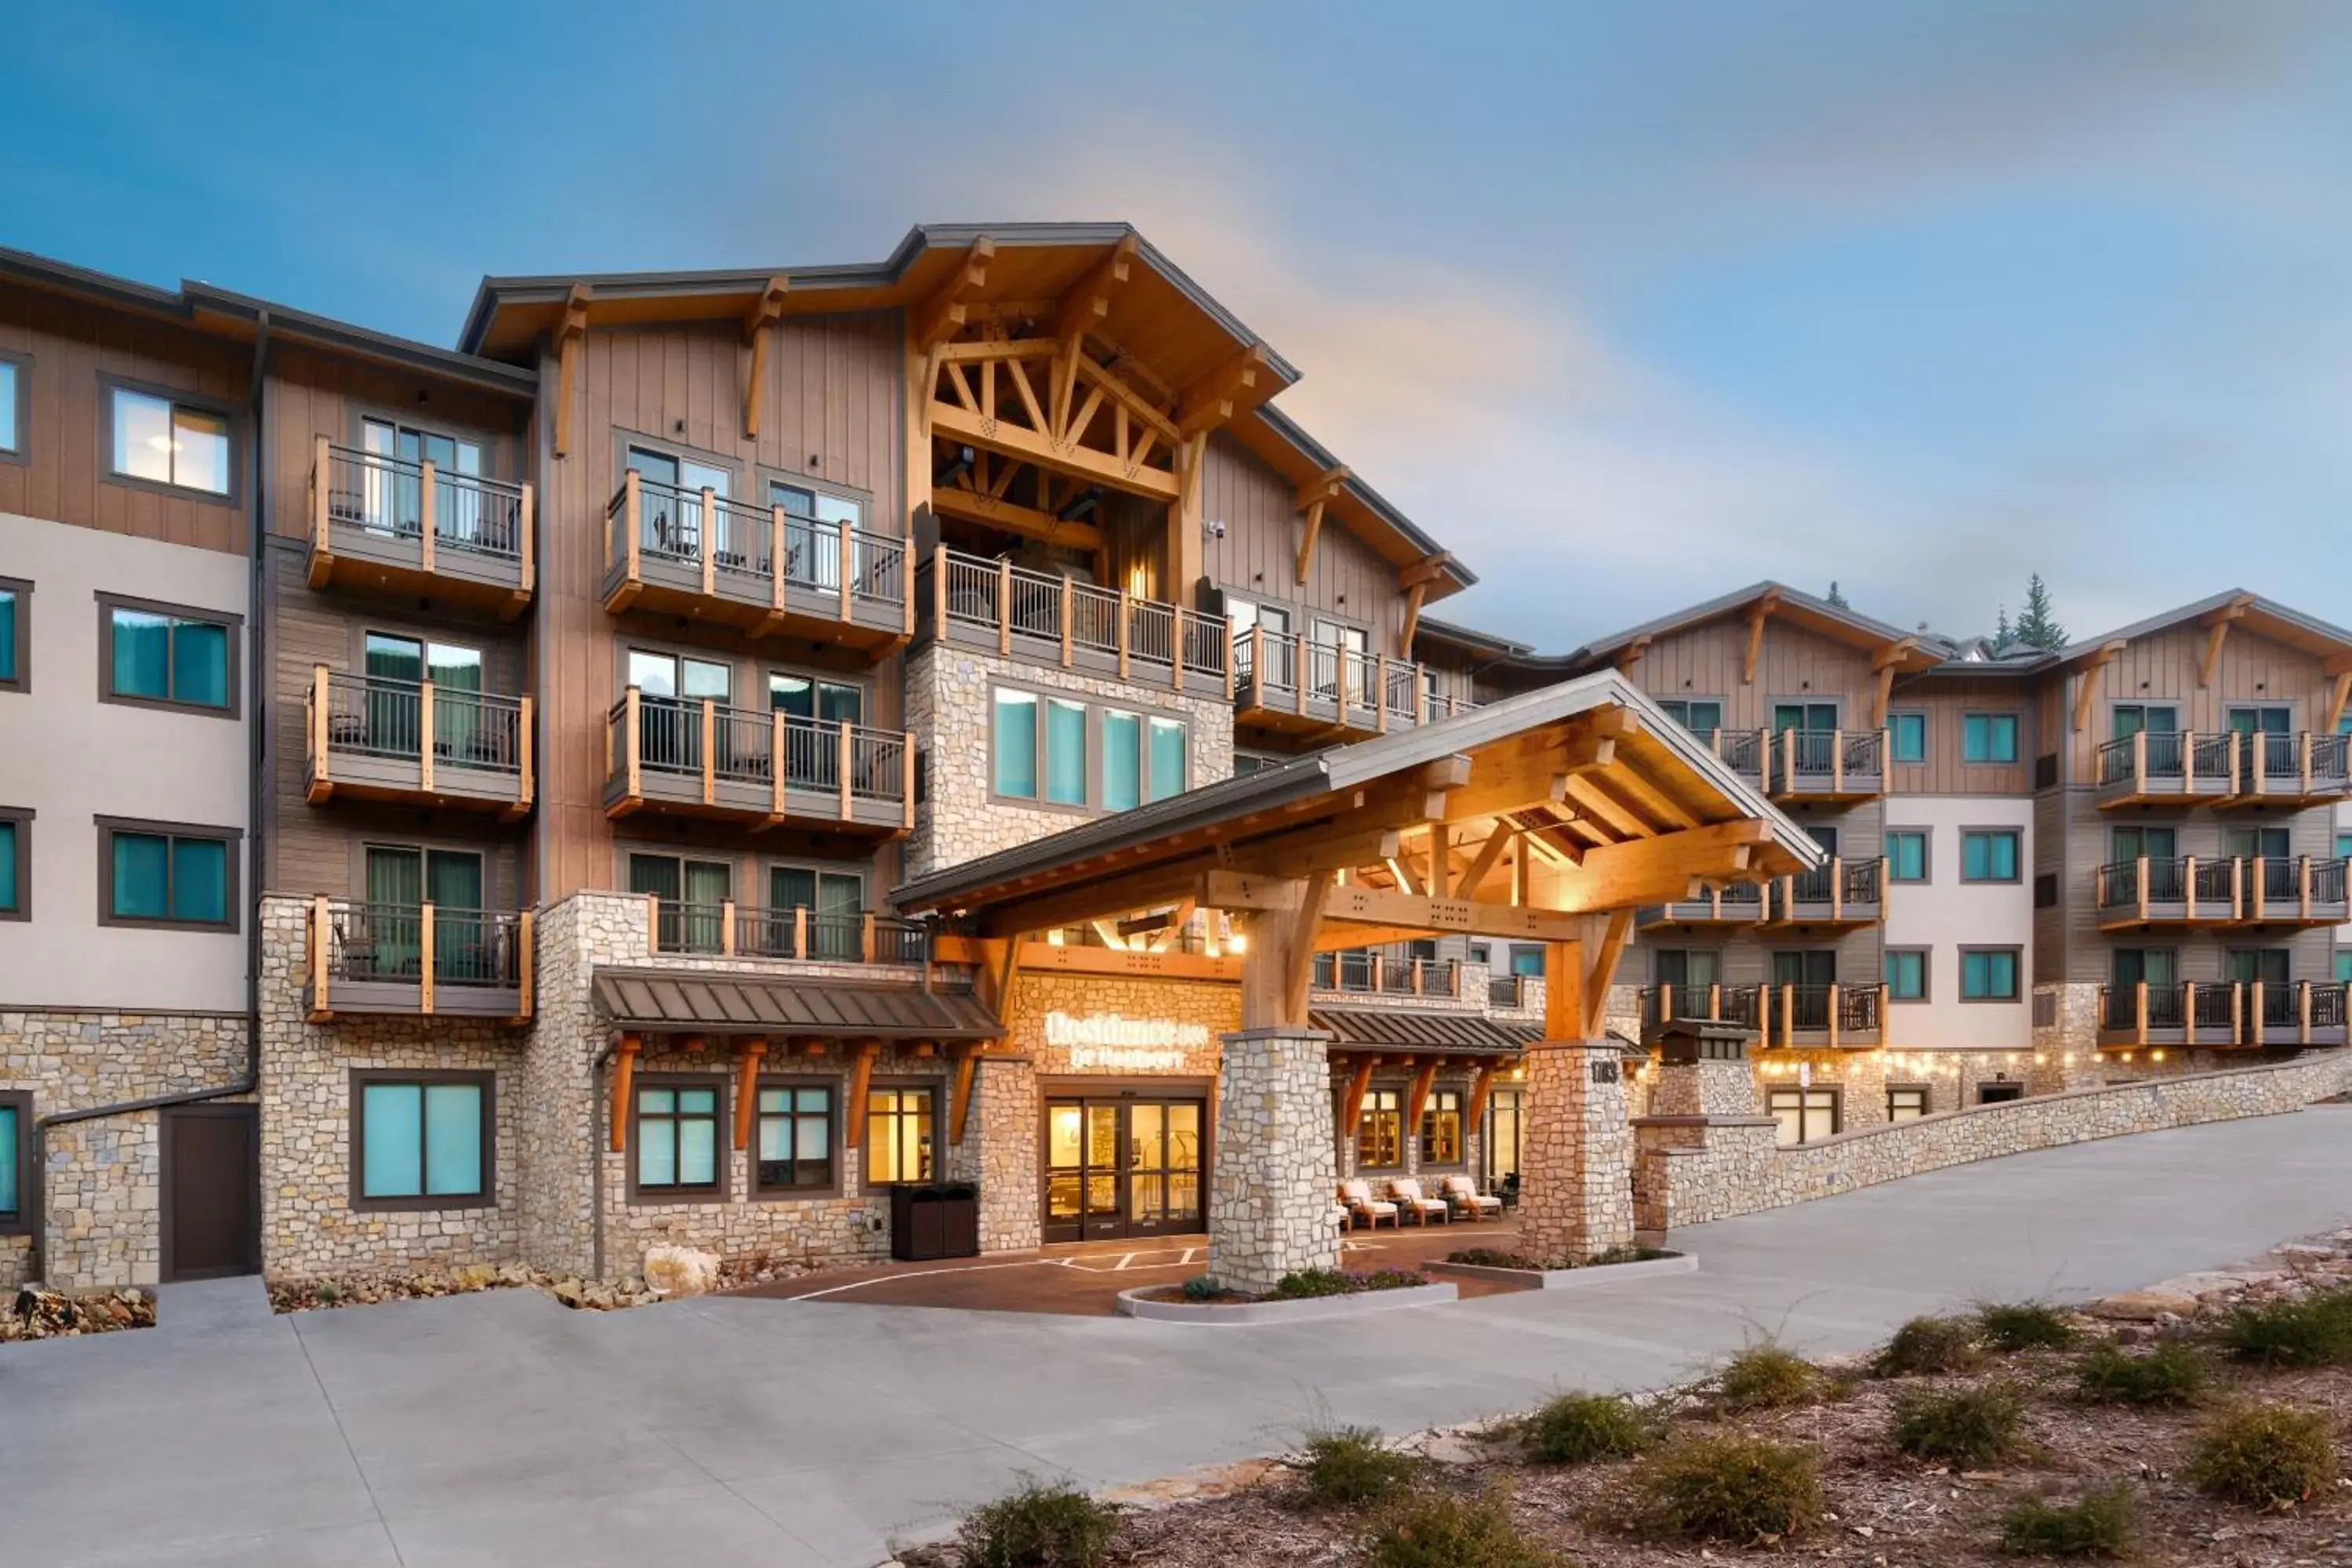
(1122, 1167)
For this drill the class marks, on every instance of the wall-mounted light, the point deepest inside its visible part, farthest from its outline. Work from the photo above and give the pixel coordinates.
(1237, 943)
(678, 426)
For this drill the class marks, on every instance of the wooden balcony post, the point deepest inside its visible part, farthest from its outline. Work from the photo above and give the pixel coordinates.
(906, 583)
(2260, 1019)
(1715, 1002)
(1069, 602)
(704, 537)
(939, 590)
(2188, 1012)
(776, 572)
(1302, 658)
(1377, 967)
(2189, 887)
(799, 930)
(727, 928)
(526, 961)
(2261, 900)
(2140, 762)
(2142, 864)
(1229, 662)
(907, 781)
(1257, 665)
(2303, 869)
(426, 506)
(653, 922)
(523, 759)
(2237, 888)
(842, 760)
(631, 734)
(2302, 1012)
(321, 771)
(1005, 607)
(2303, 759)
(1837, 888)
(865, 937)
(1788, 1015)
(424, 733)
(426, 957)
(321, 933)
(526, 511)
(2139, 1003)
(1417, 976)
(1837, 762)
(776, 762)
(710, 746)
(631, 517)
(624, 1072)
(848, 561)
(1126, 613)
(322, 479)
(1834, 1015)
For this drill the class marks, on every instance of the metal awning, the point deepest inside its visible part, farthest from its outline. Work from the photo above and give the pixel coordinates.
(1419, 1030)
(755, 1005)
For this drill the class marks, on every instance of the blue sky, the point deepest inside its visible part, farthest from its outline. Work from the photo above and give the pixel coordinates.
(1627, 304)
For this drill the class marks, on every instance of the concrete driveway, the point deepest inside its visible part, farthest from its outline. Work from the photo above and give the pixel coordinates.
(501, 1429)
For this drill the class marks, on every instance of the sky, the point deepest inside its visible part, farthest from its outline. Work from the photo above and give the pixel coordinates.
(1627, 305)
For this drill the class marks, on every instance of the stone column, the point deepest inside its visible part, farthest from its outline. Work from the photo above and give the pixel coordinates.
(1274, 1173)
(1576, 1183)
(1004, 1105)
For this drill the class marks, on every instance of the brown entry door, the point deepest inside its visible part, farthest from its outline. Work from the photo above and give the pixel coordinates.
(212, 1222)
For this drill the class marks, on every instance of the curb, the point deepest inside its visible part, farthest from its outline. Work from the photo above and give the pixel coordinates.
(1306, 1310)
(1571, 1279)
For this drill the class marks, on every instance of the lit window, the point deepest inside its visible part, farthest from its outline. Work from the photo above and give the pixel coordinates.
(1907, 1103)
(1988, 738)
(423, 1139)
(1441, 1128)
(899, 1144)
(1805, 1115)
(1989, 856)
(168, 443)
(1380, 1130)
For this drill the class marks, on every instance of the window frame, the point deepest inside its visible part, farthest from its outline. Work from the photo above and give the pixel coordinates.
(20, 818)
(1926, 837)
(1894, 730)
(1093, 710)
(1432, 1109)
(833, 1145)
(2016, 836)
(1927, 973)
(1373, 1107)
(940, 1148)
(2016, 738)
(2016, 974)
(486, 1197)
(228, 412)
(25, 1220)
(1926, 1093)
(232, 837)
(21, 649)
(723, 1135)
(1836, 1093)
(228, 621)
(20, 450)
(1685, 701)
(769, 673)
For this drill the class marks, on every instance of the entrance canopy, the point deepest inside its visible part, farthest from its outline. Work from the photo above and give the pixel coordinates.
(1523, 821)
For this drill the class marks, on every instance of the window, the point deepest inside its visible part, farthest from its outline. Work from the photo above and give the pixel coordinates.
(1989, 854)
(1041, 743)
(1906, 974)
(1016, 744)
(393, 496)
(164, 874)
(397, 664)
(1806, 716)
(2344, 846)
(16, 1156)
(400, 879)
(690, 894)
(1066, 752)
(1999, 1093)
(1700, 716)
(2045, 890)
(1907, 1102)
(160, 441)
(167, 656)
(12, 409)
(1143, 759)
(1505, 1138)
(1441, 1128)
(421, 1139)
(15, 863)
(2131, 843)
(1988, 975)
(1254, 763)
(814, 522)
(1805, 1115)
(809, 697)
(1380, 1131)
(1989, 737)
(2257, 965)
(670, 500)
(1907, 733)
(835, 901)
(2125, 719)
(1906, 854)
(795, 1137)
(898, 1142)
(2343, 963)
(676, 1139)
(15, 635)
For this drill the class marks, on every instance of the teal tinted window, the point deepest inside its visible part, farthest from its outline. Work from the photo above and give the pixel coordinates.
(1016, 744)
(11, 896)
(1167, 758)
(1988, 856)
(143, 877)
(167, 877)
(158, 657)
(10, 1135)
(9, 631)
(199, 880)
(1066, 752)
(1989, 975)
(2343, 963)
(143, 655)
(1988, 738)
(421, 1140)
(677, 1138)
(1122, 739)
(1908, 734)
(1906, 974)
(12, 437)
(795, 1146)
(1906, 856)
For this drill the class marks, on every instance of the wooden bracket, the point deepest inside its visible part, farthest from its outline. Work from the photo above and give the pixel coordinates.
(1758, 614)
(861, 1078)
(747, 1086)
(1219, 396)
(2087, 696)
(569, 328)
(625, 1073)
(766, 309)
(2217, 631)
(967, 1071)
(1307, 540)
(1085, 304)
(938, 318)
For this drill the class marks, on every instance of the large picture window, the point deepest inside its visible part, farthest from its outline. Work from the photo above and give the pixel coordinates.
(1380, 1131)
(1441, 1128)
(795, 1137)
(422, 1141)
(1062, 752)
(898, 1141)
(679, 1151)
(167, 656)
(166, 874)
(158, 441)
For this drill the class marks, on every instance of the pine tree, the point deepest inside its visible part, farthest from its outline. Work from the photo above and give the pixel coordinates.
(2001, 634)
(2036, 627)
(1837, 600)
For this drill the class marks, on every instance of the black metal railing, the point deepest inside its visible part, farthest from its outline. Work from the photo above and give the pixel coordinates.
(377, 716)
(741, 931)
(389, 944)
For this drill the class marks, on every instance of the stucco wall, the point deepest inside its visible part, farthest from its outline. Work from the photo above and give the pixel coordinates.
(1945, 914)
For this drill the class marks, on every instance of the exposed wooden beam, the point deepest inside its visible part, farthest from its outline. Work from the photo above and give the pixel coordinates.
(1605, 972)
(764, 310)
(624, 1068)
(1883, 664)
(1307, 540)
(571, 329)
(1325, 486)
(861, 1078)
(1424, 1078)
(979, 506)
(1359, 1083)
(1630, 654)
(938, 318)
(1758, 614)
(981, 350)
(1376, 906)
(1428, 569)
(2086, 697)
(2336, 695)
(967, 1063)
(1085, 304)
(1411, 627)
(1489, 855)
(1035, 447)
(1110, 933)
(1242, 381)
(1482, 1089)
(2217, 631)
(1119, 391)
(747, 1086)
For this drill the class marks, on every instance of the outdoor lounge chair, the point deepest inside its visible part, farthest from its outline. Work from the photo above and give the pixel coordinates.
(1463, 1195)
(1406, 1191)
(1357, 1193)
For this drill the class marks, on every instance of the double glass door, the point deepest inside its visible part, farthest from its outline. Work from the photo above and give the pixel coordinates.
(1122, 1167)
(387, 942)
(395, 500)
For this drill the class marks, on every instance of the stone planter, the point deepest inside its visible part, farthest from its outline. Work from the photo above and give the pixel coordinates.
(1571, 1279)
(1305, 1309)
(932, 1220)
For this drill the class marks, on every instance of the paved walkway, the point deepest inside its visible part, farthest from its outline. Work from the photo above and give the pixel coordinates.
(500, 1428)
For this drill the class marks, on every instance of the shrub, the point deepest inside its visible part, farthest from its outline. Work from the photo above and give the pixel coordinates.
(1351, 1465)
(1578, 1428)
(1493, 1257)
(2171, 1374)
(1443, 1531)
(1203, 1287)
(1039, 1526)
(2264, 1456)
(1306, 1282)
(1765, 1376)
(1928, 1346)
(2315, 1330)
(2024, 1326)
(1726, 1488)
(2097, 1524)
(1971, 1428)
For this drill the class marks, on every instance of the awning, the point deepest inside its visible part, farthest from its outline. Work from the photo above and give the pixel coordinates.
(754, 1005)
(1423, 1031)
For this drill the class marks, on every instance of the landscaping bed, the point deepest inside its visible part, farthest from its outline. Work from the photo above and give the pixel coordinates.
(585, 1295)
(34, 1314)
(1515, 1268)
(1309, 1293)
(2200, 1424)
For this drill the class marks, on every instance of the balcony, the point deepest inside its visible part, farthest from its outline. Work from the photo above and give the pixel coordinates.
(2167, 768)
(1839, 1016)
(1514, 993)
(1376, 974)
(701, 758)
(366, 738)
(760, 570)
(1287, 681)
(2223, 1014)
(728, 930)
(1740, 904)
(2296, 770)
(1840, 893)
(1827, 764)
(1664, 1005)
(417, 960)
(391, 527)
(1047, 618)
(1742, 750)
(2232, 891)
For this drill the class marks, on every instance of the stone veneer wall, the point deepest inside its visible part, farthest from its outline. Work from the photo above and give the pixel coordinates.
(1271, 1191)
(1690, 1176)
(1576, 1173)
(311, 1227)
(103, 1178)
(951, 711)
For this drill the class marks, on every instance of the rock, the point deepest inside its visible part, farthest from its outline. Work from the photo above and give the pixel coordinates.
(2142, 1306)
(680, 1270)
(569, 1292)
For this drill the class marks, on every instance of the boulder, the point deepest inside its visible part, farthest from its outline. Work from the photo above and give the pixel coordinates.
(680, 1272)
(2143, 1306)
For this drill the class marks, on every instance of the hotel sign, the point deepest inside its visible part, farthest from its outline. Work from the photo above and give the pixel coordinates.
(1112, 1042)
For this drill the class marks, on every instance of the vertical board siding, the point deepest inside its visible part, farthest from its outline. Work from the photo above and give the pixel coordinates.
(1258, 556)
(1947, 702)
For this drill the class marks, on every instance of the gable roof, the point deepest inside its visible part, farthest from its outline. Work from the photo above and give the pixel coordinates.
(2264, 618)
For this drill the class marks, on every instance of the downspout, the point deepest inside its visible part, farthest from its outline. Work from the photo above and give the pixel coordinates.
(596, 1158)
